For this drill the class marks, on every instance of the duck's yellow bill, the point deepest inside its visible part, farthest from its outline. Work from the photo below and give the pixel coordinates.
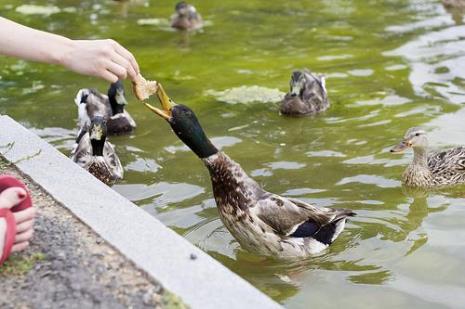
(166, 103)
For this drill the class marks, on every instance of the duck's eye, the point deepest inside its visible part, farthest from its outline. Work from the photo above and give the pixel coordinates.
(418, 134)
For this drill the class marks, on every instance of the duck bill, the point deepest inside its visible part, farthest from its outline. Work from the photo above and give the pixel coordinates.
(401, 147)
(120, 99)
(166, 103)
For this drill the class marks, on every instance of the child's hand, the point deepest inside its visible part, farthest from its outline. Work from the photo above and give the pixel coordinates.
(102, 58)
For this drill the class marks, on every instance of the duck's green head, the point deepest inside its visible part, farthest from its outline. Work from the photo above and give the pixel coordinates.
(117, 98)
(184, 124)
(98, 135)
(414, 138)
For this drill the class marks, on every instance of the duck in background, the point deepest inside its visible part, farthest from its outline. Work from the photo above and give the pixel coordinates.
(260, 221)
(186, 17)
(456, 8)
(95, 154)
(91, 103)
(430, 170)
(307, 95)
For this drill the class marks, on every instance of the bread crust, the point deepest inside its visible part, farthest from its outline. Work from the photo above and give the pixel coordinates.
(143, 88)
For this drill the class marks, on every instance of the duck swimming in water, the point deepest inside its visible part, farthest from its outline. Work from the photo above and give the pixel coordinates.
(307, 95)
(430, 170)
(95, 154)
(90, 103)
(260, 221)
(186, 17)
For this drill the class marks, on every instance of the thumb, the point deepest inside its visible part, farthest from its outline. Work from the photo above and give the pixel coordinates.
(12, 197)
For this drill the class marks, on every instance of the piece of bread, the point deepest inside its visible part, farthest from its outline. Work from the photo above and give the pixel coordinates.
(143, 88)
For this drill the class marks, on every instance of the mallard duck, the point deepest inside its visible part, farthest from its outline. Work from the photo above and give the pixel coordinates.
(95, 154)
(186, 17)
(260, 221)
(307, 95)
(90, 102)
(429, 170)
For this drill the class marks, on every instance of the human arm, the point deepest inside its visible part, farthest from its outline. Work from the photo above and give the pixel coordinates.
(106, 59)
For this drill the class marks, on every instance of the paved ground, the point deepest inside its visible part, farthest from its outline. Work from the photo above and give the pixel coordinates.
(68, 266)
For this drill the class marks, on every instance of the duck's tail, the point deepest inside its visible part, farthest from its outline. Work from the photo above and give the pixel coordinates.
(328, 233)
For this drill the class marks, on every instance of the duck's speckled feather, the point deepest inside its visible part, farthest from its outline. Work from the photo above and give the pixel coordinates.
(263, 222)
(448, 167)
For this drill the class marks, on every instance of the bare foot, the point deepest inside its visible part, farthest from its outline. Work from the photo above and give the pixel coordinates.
(24, 219)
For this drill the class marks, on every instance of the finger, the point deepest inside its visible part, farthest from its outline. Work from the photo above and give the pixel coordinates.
(108, 76)
(128, 56)
(25, 215)
(24, 226)
(27, 235)
(12, 196)
(20, 246)
(117, 70)
(118, 59)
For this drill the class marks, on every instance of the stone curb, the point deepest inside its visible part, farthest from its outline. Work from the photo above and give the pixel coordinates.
(180, 267)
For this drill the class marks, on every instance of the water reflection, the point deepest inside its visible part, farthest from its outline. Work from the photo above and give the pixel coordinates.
(435, 60)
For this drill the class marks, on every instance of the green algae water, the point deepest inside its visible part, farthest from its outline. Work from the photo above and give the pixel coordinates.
(390, 65)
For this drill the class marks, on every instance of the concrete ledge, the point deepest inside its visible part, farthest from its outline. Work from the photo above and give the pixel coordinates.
(160, 252)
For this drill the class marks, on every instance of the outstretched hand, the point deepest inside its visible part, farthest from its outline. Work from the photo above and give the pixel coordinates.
(106, 59)
(101, 58)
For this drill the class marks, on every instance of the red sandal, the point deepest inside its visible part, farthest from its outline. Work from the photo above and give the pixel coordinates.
(6, 182)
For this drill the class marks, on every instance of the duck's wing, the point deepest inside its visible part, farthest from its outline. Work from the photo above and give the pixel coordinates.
(131, 121)
(451, 160)
(112, 161)
(295, 218)
(91, 103)
(82, 153)
(315, 91)
(82, 131)
(98, 105)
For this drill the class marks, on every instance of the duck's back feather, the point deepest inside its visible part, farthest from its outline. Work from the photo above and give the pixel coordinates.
(295, 218)
(448, 167)
(121, 123)
(82, 155)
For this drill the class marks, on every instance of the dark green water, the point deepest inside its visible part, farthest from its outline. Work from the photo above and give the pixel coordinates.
(390, 65)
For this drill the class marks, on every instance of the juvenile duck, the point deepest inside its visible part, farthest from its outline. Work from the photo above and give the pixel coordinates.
(90, 103)
(429, 170)
(95, 154)
(260, 221)
(186, 17)
(307, 95)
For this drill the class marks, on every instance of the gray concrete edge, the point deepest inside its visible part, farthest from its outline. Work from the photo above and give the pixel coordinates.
(151, 246)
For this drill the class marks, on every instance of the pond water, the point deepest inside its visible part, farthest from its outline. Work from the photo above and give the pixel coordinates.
(390, 65)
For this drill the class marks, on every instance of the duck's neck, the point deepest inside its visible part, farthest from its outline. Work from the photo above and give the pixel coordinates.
(115, 107)
(417, 173)
(420, 157)
(232, 187)
(192, 134)
(97, 147)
